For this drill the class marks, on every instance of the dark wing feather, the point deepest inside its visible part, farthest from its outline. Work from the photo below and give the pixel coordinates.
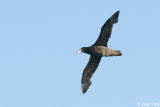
(88, 71)
(106, 30)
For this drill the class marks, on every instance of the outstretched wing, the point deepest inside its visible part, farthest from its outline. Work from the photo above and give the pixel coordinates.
(106, 30)
(88, 71)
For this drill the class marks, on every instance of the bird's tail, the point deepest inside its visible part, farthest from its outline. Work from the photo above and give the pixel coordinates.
(85, 86)
(114, 17)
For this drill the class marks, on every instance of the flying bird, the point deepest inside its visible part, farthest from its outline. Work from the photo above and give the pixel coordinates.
(97, 51)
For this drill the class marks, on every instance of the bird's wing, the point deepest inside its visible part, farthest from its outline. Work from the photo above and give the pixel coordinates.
(106, 30)
(88, 71)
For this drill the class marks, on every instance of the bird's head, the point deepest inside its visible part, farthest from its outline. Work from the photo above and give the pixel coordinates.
(83, 49)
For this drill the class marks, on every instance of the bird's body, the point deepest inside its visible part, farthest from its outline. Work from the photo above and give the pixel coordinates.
(98, 50)
(101, 51)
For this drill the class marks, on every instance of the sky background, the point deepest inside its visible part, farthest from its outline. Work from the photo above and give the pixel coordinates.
(39, 66)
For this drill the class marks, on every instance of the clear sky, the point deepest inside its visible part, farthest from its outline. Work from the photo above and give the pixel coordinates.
(39, 66)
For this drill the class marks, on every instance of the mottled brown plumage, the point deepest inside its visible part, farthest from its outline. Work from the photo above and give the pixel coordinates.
(98, 50)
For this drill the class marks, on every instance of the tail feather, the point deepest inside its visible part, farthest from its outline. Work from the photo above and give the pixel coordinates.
(85, 86)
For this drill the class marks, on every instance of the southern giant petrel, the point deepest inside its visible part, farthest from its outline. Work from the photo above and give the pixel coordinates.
(98, 50)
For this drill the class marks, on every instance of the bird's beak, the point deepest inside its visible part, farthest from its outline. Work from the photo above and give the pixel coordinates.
(79, 51)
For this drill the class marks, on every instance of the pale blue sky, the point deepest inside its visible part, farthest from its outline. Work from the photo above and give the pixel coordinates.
(39, 66)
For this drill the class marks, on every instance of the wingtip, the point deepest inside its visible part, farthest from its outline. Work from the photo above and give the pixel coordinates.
(118, 11)
(116, 14)
(85, 86)
(114, 17)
